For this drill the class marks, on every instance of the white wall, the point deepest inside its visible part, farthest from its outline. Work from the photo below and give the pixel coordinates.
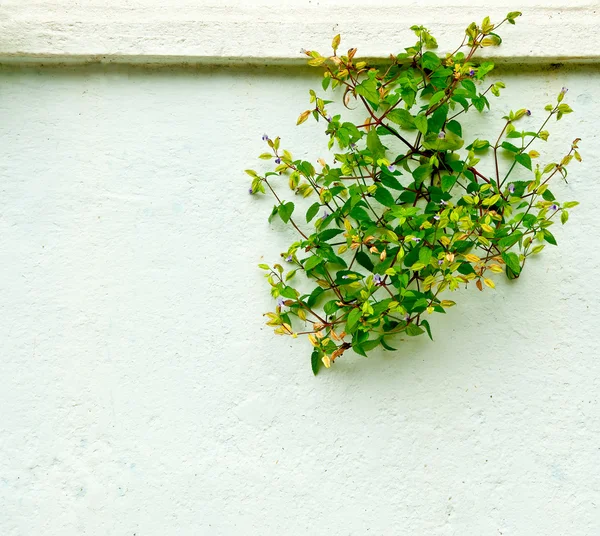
(141, 394)
(156, 31)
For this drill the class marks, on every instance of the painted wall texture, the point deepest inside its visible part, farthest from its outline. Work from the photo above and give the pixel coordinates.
(142, 395)
(275, 30)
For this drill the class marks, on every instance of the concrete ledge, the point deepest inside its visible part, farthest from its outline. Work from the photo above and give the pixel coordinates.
(273, 32)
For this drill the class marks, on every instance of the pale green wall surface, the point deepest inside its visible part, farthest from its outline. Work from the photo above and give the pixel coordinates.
(142, 394)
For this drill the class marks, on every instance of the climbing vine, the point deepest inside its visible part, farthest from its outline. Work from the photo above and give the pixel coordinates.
(411, 206)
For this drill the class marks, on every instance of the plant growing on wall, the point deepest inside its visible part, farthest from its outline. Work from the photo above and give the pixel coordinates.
(407, 210)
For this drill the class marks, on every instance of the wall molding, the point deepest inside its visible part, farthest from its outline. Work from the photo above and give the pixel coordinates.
(143, 31)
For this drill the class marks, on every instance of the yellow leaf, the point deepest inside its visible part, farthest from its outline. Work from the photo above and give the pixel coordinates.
(303, 117)
(326, 361)
(447, 303)
(336, 42)
(489, 283)
(316, 62)
(472, 258)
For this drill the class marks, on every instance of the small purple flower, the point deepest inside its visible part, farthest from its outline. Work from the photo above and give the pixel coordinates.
(554, 207)
(391, 168)
(289, 258)
(377, 279)
(407, 317)
(528, 112)
(442, 202)
(250, 191)
(265, 137)
(280, 301)
(472, 72)
(325, 215)
(329, 119)
(345, 277)
(440, 262)
(564, 90)
(442, 135)
(353, 146)
(417, 240)
(436, 217)
(511, 188)
(278, 160)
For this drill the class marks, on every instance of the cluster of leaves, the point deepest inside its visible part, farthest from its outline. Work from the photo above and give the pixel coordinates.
(392, 228)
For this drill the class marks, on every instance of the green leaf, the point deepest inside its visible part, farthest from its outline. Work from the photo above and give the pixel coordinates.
(564, 108)
(461, 100)
(549, 237)
(312, 211)
(387, 346)
(285, 211)
(352, 320)
(289, 292)
(408, 96)
(328, 234)
(524, 159)
(383, 196)
(454, 126)
(424, 255)
(315, 362)
(314, 296)
(331, 307)
(422, 173)
(437, 97)
(312, 262)
(427, 327)
(470, 87)
(484, 69)
(450, 142)
(512, 261)
(368, 89)
(510, 240)
(510, 274)
(264, 266)
(430, 61)
(360, 214)
(413, 330)
(448, 181)
(437, 119)
(420, 122)
(367, 346)
(479, 103)
(374, 145)
(402, 117)
(509, 147)
(480, 145)
(387, 179)
(364, 260)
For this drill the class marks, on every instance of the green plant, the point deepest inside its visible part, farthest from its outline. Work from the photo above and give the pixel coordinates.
(405, 211)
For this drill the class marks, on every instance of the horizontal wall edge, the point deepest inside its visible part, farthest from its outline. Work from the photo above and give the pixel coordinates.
(44, 32)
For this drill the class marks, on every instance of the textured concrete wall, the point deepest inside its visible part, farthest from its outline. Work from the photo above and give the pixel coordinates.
(259, 30)
(141, 394)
